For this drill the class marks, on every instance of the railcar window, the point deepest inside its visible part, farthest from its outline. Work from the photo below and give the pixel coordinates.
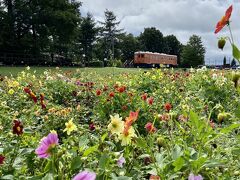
(142, 55)
(139, 55)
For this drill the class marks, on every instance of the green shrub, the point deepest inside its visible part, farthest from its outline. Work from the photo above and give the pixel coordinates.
(115, 63)
(96, 64)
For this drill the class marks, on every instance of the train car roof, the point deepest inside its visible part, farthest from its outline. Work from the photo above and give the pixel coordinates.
(155, 53)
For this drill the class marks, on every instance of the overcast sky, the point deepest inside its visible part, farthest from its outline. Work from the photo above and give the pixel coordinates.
(179, 17)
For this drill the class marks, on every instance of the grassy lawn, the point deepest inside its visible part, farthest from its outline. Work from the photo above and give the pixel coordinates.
(8, 70)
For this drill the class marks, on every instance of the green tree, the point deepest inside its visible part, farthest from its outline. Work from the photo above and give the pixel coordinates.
(193, 53)
(128, 45)
(87, 36)
(110, 33)
(152, 40)
(172, 46)
(224, 61)
(34, 26)
(233, 63)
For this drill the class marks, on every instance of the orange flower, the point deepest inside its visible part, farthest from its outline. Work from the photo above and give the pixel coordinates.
(225, 20)
(130, 120)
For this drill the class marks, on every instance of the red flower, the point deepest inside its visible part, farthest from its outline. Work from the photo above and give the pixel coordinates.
(150, 128)
(111, 94)
(124, 108)
(150, 100)
(144, 96)
(33, 96)
(105, 88)
(42, 101)
(153, 177)
(225, 20)
(168, 107)
(98, 92)
(116, 86)
(1, 159)
(121, 89)
(92, 126)
(27, 90)
(17, 127)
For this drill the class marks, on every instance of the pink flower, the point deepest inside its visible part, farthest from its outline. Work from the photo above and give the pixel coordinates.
(150, 127)
(85, 175)
(121, 161)
(46, 145)
(193, 177)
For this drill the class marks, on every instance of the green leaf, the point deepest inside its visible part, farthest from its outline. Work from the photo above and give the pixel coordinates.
(140, 142)
(104, 137)
(9, 177)
(103, 162)
(178, 163)
(197, 164)
(230, 128)
(236, 52)
(90, 150)
(177, 152)
(76, 163)
(48, 176)
(160, 160)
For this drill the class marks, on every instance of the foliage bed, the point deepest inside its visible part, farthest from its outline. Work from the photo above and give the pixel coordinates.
(158, 124)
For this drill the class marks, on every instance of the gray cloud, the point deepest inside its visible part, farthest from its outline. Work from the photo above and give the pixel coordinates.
(179, 17)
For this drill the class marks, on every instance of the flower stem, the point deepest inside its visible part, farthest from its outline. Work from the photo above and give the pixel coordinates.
(231, 34)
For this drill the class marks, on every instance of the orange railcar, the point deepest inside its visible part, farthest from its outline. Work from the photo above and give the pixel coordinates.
(154, 59)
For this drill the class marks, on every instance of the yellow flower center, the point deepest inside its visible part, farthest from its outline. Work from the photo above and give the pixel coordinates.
(18, 129)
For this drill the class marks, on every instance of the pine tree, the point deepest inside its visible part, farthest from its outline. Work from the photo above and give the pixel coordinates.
(87, 36)
(110, 33)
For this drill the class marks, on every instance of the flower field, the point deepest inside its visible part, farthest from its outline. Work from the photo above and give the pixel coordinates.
(155, 124)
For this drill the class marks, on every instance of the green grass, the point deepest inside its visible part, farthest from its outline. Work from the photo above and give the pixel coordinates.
(13, 71)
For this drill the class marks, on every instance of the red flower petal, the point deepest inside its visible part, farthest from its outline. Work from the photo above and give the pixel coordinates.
(224, 20)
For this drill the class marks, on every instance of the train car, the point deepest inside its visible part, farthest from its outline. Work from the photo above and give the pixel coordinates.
(149, 59)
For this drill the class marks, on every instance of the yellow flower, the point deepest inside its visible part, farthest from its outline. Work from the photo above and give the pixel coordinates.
(15, 84)
(127, 137)
(53, 131)
(70, 126)
(11, 91)
(117, 125)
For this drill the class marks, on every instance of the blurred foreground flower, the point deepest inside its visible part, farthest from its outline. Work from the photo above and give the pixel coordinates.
(46, 145)
(193, 177)
(153, 177)
(224, 21)
(85, 175)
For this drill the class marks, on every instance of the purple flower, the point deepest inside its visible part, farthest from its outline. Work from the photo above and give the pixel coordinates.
(85, 175)
(121, 161)
(193, 177)
(46, 145)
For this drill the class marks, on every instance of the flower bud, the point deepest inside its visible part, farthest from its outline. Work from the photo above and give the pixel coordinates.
(161, 141)
(235, 78)
(221, 43)
(221, 117)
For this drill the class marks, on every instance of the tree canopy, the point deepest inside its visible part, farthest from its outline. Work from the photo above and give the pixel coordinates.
(193, 53)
